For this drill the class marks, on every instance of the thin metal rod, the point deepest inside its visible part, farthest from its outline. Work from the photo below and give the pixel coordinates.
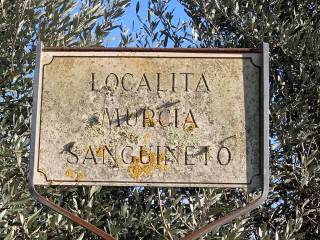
(99, 232)
(265, 161)
(224, 220)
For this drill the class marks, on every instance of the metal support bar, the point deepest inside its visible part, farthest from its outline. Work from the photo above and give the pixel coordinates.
(265, 151)
(224, 220)
(99, 232)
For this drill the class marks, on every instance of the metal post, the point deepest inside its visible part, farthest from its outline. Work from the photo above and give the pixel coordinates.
(265, 131)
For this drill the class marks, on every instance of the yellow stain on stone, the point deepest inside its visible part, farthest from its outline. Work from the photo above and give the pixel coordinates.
(139, 170)
(75, 175)
(80, 176)
(100, 151)
(189, 128)
(70, 173)
(146, 138)
(149, 120)
(189, 124)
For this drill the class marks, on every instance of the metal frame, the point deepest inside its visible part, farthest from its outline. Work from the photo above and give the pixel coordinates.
(216, 223)
(32, 187)
(265, 145)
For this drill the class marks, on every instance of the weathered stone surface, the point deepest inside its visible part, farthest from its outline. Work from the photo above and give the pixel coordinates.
(164, 119)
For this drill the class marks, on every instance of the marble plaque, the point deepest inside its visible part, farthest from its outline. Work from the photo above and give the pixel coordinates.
(147, 119)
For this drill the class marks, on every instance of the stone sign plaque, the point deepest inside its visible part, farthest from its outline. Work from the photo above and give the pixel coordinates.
(147, 118)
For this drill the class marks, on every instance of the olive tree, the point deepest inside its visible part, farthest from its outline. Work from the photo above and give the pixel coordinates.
(291, 27)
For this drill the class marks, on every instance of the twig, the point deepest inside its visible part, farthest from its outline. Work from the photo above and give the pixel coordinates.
(162, 216)
(154, 229)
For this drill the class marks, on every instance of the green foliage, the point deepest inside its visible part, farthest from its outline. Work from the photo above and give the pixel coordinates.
(22, 23)
(291, 27)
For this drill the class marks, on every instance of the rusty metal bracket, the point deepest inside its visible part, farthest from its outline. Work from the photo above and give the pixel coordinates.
(99, 232)
(265, 153)
(197, 233)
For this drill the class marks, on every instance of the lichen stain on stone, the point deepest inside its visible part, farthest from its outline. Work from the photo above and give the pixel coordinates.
(93, 120)
(189, 124)
(149, 120)
(70, 173)
(100, 151)
(146, 138)
(78, 176)
(138, 170)
(189, 128)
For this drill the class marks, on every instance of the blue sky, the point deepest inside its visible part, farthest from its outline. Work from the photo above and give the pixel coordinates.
(130, 17)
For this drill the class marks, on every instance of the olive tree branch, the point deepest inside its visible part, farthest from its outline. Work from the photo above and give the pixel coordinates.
(166, 227)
